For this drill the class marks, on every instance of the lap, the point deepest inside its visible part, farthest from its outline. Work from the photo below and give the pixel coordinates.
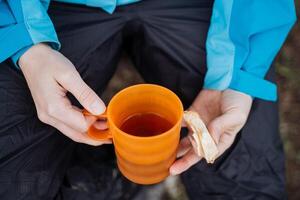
(167, 50)
(30, 164)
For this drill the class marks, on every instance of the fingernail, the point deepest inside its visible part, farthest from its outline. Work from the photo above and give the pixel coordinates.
(173, 171)
(97, 108)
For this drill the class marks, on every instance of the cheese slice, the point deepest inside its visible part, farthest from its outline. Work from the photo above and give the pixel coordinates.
(201, 140)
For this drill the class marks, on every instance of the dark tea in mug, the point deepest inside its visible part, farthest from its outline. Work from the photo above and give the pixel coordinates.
(145, 125)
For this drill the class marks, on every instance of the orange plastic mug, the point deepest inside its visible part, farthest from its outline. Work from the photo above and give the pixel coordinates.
(143, 160)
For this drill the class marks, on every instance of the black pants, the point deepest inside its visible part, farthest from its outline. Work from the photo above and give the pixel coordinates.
(166, 41)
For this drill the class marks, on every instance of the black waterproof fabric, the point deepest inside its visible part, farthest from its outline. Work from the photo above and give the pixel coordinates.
(166, 41)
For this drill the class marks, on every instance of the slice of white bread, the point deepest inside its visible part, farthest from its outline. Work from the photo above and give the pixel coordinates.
(202, 142)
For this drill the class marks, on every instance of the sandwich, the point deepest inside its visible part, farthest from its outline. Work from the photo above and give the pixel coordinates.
(201, 140)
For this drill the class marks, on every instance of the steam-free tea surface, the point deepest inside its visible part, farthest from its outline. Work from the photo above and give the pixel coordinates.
(145, 125)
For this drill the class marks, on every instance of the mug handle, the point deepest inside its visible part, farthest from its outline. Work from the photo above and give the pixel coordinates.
(95, 133)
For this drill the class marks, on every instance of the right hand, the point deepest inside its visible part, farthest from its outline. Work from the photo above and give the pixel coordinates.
(50, 76)
(224, 113)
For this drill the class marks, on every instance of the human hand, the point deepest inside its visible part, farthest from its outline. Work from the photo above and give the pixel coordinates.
(224, 113)
(50, 76)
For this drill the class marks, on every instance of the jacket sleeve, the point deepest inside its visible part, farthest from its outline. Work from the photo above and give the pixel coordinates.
(24, 23)
(243, 39)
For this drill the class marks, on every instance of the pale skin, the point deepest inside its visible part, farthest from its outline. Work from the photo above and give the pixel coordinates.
(224, 113)
(50, 76)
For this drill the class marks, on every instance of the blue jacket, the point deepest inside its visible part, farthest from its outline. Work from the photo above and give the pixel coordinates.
(243, 38)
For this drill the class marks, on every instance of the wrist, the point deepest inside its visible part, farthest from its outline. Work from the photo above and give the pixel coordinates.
(206, 99)
(239, 93)
(34, 53)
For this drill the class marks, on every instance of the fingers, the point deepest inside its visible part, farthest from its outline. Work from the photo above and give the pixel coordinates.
(184, 147)
(72, 82)
(62, 110)
(224, 129)
(90, 120)
(184, 163)
(49, 76)
(225, 142)
(75, 135)
(229, 122)
(183, 123)
(101, 125)
(72, 124)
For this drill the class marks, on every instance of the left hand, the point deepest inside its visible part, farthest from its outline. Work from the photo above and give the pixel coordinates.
(224, 113)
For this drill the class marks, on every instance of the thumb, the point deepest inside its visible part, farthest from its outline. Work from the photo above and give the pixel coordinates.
(83, 93)
(183, 123)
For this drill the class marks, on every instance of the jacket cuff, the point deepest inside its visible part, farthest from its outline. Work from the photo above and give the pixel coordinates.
(254, 86)
(248, 83)
(42, 31)
(30, 33)
(9, 45)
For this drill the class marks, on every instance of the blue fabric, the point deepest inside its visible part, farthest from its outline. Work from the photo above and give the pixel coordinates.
(24, 23)
(243, 38)
(107, 5)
